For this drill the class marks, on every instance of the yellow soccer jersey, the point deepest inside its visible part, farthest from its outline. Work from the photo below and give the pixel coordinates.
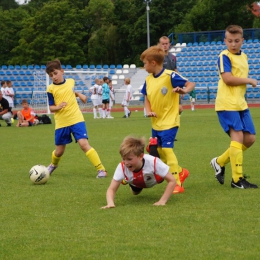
(64, 92)
(164, 102)
(231, 98)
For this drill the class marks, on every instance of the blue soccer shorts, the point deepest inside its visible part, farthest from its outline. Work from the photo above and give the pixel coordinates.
(165, 138)
(63, 135)
(238, 120)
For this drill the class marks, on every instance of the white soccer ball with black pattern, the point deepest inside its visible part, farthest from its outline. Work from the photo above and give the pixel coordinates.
(39, 174)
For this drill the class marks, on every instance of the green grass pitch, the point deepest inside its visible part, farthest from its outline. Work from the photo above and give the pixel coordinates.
(63, 220)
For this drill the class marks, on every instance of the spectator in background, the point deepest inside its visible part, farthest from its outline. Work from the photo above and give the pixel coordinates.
(95, 99)
(105, 96)
(112, 98)
(10, 93)
(5, 110)
(127, 97)
(192, 99)
(26, 117)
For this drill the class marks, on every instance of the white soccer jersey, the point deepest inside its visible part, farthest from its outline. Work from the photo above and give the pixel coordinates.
(152, 173)
(100, 94)
(7, 91)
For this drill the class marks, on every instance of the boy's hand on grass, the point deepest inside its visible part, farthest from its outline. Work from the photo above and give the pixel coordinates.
(158, 203)
(108, 207)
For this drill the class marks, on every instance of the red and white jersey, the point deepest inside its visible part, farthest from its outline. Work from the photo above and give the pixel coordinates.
(152, 173)
(94, 91)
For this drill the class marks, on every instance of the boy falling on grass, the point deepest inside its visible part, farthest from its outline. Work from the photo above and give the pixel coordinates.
(68, 118)
(232, 109)
(140, 171)
(161, 90)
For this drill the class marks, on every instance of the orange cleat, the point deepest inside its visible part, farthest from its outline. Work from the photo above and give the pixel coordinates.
(178, 189)
(183, 175)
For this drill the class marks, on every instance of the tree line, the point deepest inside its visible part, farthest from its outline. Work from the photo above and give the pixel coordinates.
(106, 31)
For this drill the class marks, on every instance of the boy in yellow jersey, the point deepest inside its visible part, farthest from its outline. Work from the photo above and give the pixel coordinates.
(231, 106)
(161, 90)
(68, 118)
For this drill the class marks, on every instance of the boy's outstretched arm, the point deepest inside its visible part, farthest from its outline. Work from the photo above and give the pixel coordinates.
(168, 190)
(111, 192)
(81, 96)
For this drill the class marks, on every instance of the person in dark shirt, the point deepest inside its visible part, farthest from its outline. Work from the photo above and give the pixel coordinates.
(5, 110)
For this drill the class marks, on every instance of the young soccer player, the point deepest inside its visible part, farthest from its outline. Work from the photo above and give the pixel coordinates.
(232, 109)
(68, 118)
(140, 171)
(111, 99)
(95, 98)
(105, 97)
(26, 117)
(192, 99)
(162, 89)
(127, 97)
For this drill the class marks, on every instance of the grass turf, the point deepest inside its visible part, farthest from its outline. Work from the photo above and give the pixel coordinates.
(63, 219)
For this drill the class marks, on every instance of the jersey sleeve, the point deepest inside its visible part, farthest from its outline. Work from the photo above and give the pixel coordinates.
(50, 99)
(177, 80)
(161, 168)
(224, 63)
(118, 174)
(143, 91)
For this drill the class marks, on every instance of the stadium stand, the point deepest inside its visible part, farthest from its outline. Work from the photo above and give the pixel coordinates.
(196, 61)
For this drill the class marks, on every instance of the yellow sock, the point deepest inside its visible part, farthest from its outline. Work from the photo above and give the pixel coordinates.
(244, 148)
(161, 154)
(54, 159)
(94, 159)
(223, 159)
(172, 162)
(236, 159)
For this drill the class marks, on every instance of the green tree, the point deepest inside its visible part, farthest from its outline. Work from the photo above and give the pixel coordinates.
(8, 4)
(56, 31)
(209, 15)
(11, 25)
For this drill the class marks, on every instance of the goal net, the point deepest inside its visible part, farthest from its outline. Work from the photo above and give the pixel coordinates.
(84, 79)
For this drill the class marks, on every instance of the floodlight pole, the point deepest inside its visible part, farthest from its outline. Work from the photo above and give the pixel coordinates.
(148, 22)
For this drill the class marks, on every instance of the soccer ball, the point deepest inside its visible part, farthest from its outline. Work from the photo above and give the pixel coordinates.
(39, 174)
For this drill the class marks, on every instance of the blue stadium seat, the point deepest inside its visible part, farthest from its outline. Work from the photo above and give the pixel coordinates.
(112, 66)
(78, 67)
(98, 67)
(249, 41)
(17, 67)
(15, 72)
(92, 67)
(105, 67)
(201, 44)
(68, 67)
(37, 67)
(195, 44)
(4, 67)
(21, 72)
(207, 43)
(85, 66)
(213, 43)
(251, 95)
(255, 41)
(11, 67)
(119, 66)
(189, 44)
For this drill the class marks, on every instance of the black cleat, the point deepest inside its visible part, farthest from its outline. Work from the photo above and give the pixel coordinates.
(243, 184)
(219, 171)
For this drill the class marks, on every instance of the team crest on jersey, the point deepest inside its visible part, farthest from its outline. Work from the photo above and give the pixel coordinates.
(164, 90)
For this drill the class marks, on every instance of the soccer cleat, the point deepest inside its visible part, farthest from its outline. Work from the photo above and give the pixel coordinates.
(101, 174)
(243, 184)
(51, 168)
(110, 117)
(9, 124)
(219, 171)
(178, 189)
(129, 114)
(183, 175)
(124, 116)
